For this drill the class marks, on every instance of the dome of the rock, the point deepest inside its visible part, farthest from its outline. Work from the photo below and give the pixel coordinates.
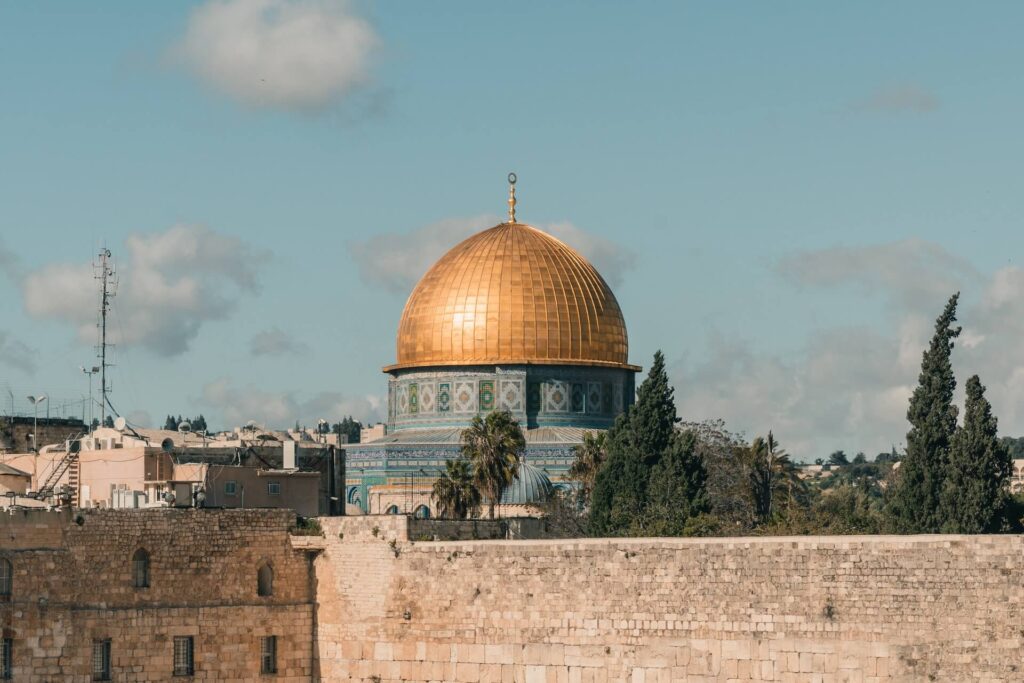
(510, 319)
(512, 295)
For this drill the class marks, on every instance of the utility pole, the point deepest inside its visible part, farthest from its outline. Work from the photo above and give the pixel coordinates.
(105, 274)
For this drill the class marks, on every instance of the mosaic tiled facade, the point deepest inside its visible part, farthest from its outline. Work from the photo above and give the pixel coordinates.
(537, 396)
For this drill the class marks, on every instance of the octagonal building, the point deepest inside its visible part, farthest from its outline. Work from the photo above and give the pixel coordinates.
(509, 319)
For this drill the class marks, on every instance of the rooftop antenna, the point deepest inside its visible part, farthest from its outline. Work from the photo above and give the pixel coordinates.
(108, 285)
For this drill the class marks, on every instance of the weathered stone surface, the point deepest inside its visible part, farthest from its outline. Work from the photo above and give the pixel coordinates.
(72, 584)
(375, 606)
(884, 608)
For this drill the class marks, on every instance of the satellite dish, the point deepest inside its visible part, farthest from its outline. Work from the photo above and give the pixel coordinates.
(185, 427)
(167, 445)
(120, 423)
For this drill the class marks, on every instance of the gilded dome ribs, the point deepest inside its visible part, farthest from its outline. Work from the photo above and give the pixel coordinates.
(512, 295)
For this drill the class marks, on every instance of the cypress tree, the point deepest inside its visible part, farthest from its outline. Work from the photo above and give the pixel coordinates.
(913, 505)
(653, 418)
(620, 487)
(974, 493)
(637, 443)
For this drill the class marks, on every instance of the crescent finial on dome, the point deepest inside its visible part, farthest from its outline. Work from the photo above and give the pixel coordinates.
(512, 197)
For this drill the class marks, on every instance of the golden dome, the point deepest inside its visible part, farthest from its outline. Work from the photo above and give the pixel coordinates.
(512, 295)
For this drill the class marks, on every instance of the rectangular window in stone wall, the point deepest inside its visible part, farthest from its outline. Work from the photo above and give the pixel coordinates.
(184, 665)
(230, 487)
(268, 663)
(274, 488)
(6, 578)
(6, 655)
(101, 660)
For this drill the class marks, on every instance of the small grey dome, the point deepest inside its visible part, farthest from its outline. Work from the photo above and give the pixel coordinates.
(531, 486)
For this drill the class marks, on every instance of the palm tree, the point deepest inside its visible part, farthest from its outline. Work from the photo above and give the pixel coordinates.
(774, 482)
(454, 495)
(590, 455)
(493, 444)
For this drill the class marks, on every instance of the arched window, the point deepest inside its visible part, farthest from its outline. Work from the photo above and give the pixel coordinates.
(6, 577)
(393, 510)
(422, 512)
(140, 569)
(265, 581)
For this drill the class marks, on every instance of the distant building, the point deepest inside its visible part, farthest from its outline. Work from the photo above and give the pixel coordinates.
(149, 468)
(1017, 477)
(13, 480)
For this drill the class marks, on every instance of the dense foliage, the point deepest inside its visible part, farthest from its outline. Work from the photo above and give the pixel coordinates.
(974, 494)
(655, 476)
(196, 424)
(652, 480)
(455, 496)
(348, 428)
(494, 445)
(914, 503)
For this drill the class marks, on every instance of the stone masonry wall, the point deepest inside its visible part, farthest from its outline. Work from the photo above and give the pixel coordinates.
(72, 585)
(924, 608)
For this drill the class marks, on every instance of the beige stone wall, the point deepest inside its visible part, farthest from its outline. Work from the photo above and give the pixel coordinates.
(942, 608)
(72, 584)
(375, 606)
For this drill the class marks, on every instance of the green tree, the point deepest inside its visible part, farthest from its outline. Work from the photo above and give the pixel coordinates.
(170, 423)
(1015, 446)
(721, 453)
(652, 479)
(913, 505)
(454, 494)
(974, 493)
(838, 459)
(677, 488)
(494, 446)
(590, 456)
(774, 483)
(349, 428)
(634, 444)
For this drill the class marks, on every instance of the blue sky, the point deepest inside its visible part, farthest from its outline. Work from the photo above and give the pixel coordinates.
(784, 194)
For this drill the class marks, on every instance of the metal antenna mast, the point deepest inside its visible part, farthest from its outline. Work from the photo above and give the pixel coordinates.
(105, 274)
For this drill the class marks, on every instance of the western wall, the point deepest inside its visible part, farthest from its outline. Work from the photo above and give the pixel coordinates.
(942, 608)
(364, 602)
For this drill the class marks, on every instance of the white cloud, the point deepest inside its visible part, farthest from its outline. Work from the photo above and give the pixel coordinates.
(848, 387)
(396, 261)
(914, 272)
(905, 97)
(279, 409)
(16, 354)
(275, 342)
(170, 284)
(286, 54)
